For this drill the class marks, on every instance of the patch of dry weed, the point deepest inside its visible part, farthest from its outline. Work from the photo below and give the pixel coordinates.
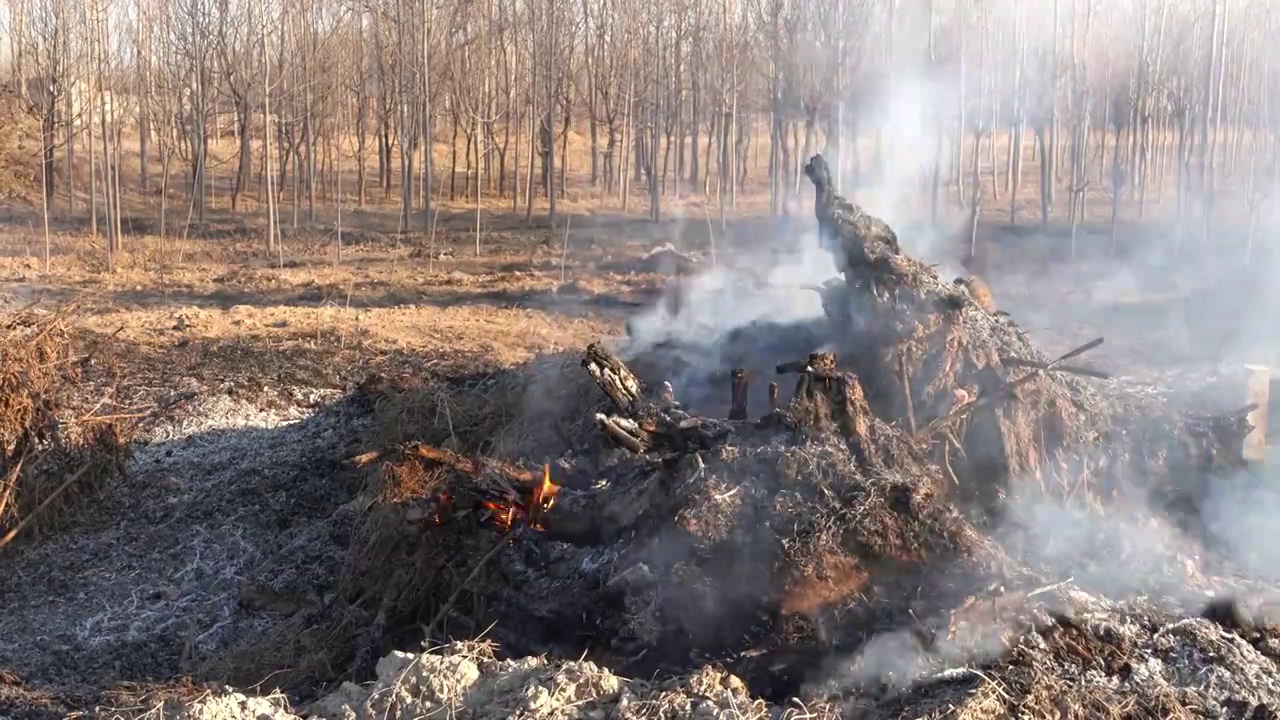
(53, 454)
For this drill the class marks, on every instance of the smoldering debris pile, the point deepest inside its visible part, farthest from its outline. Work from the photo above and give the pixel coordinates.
(859, 539)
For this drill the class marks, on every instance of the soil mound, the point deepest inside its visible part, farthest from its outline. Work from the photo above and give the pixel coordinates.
(1094, 665)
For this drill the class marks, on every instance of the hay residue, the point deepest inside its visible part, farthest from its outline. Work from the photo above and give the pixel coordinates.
(536, 409)
(54, 452)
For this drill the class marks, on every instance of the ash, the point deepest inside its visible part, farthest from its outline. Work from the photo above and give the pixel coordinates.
(224, 498)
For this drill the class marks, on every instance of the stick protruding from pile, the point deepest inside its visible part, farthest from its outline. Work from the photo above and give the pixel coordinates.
(613, 377)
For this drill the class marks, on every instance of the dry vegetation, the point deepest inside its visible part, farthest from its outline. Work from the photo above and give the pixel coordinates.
(54, 452)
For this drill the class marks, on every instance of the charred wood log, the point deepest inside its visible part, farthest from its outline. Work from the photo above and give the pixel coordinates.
(822, 362)
(625, 432)
(664, 429)
(644, 425)
(614, 378)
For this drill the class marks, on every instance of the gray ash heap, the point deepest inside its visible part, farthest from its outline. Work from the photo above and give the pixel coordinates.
(877, 536)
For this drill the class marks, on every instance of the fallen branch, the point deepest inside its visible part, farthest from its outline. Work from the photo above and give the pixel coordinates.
(1007, 394)
(453, 598)
(30, 518)
(472, 466)
(625, 432)
(1056, 362)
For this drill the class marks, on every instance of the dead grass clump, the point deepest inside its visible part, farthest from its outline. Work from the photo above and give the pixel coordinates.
(534, 409)
(301, 654)
(406, 556)
(409, 480)
(53, 453)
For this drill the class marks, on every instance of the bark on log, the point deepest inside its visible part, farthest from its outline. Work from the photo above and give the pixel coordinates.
(611, 374)
(642, 425)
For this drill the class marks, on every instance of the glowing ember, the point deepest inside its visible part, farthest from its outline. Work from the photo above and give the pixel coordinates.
(503, 515)
(543, 497)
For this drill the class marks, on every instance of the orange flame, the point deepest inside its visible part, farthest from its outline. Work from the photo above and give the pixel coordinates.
(543, 497)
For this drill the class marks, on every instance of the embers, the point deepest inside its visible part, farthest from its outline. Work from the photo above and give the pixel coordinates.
(505, 514)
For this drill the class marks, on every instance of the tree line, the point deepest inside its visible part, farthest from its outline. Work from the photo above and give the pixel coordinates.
(672, 98)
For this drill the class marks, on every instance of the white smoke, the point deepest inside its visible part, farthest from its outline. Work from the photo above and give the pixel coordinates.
(754, 288)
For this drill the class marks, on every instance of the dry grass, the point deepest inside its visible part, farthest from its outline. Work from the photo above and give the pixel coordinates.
(53, 454)
(532, 410)
(390, 572)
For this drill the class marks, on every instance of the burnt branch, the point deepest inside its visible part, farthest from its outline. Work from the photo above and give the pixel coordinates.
(614, 378)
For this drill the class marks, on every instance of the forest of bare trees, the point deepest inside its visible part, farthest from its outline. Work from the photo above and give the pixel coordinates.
(1146, 103)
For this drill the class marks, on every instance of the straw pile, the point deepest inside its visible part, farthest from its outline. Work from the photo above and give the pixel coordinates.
(54, 451)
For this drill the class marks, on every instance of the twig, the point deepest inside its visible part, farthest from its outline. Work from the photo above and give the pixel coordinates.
(448, 605)
(1013, 385)
(26, 521)
(10, 488)
(946, 462)
(906, 389)
(1053, 364)
(1051, 588)
(114, 418)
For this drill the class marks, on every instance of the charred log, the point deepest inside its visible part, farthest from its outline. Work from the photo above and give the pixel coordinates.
(614, 378)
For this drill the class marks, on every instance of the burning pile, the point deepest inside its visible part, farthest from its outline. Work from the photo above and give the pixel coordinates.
(871, 517)
(500, 494)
